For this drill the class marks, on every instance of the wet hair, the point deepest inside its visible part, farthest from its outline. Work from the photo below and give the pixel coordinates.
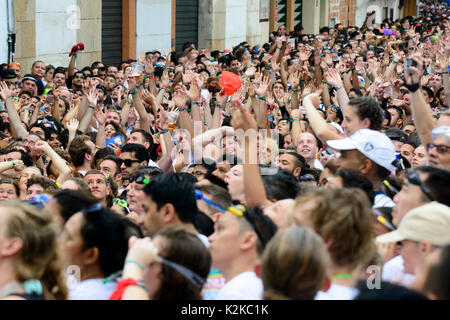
(367, 107)
(294, 265)
(39, 258)
(281, 185)
(186, 249)
(109, 233)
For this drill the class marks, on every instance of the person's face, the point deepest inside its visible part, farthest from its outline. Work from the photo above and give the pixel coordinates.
(30, 142)
(97, 184)
(408, 129)
(198, 171)
(108, 167)
(25, 99)
(136, 137)
(349, 159)
(113, 117)
(407, 151)
(49, 75)
(436, 81)
(5, 117)
(54, 142)
(72, 241)
(394, 117)
(78, 80)
(412, 256)
(112, 70)
(229, 145)
(7, 192)
(109, 131)
(221, 170)
(120, 78)
(409, 197)
(29, 85)
(287, 162)
(128, 171)
(38, 69)
(152, 217)
(59, 79)
(307, 146)
(91, 145)
(351, 122)
(234, 64)
(281, 31)
(331, 114)
(136, 196)
(287, 141)
(34, 190)
(420, 157)
(422, 274)
(234, 179)
(26, 174)
(17, 70)
(225, 242)
(101, 74)
(109, 83)
(436, 159)
(278, 88)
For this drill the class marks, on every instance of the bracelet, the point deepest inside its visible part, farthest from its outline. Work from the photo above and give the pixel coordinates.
(294, 92)
(219, 105)
(162, 88)
(162, 132)
(294, 119)
(136, 263)
(181, 109)
(138, 120)
(339, 87)
(91, 107)
(134, 93)
(263, 98)
(413, 87)
(446, 72)
(394, 62)
(195, 103)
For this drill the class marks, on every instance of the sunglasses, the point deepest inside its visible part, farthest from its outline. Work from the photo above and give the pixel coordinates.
(440, 148)
(414, 178)
(128, 162)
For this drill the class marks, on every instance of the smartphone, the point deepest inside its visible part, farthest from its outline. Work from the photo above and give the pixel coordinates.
(408, 64)
(292, 42)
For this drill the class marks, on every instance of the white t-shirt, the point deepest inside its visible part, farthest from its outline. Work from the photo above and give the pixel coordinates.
(318, 165)
(92, 289)
(245, 286)
(337, 292)
(393, 270)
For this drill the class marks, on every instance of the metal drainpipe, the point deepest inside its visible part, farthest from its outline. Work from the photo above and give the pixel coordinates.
(11, 33)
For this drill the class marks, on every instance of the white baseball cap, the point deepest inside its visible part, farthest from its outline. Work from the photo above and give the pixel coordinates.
(428, 222)
(373, 144)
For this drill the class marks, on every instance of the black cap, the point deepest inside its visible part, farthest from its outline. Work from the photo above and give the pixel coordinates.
(9, 75)
(30, 77)
(102, 88)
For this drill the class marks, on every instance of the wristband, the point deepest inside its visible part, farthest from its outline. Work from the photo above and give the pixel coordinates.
(339, 87)
(134, 93)
(439, 73)
(162, 132)
(413, 87)
(136, 263)
(219, 105)
(263, 98)
(294, 119)
(181, 109)
(294, 92)
(91, 107)
(395, 62)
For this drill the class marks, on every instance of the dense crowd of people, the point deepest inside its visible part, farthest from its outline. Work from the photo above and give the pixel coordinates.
(311, 167)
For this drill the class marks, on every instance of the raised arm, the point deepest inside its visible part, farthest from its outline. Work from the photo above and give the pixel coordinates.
(64, 170)
(14, 118)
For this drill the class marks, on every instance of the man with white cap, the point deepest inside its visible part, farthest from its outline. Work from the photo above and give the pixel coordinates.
(439, 149)
(421, 231)
(373, 154)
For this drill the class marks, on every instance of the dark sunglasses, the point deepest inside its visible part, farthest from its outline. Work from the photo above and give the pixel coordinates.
(441, 149)
(414, 178)
(128, 162)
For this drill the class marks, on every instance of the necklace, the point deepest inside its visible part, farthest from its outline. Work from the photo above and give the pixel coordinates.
(342, 275)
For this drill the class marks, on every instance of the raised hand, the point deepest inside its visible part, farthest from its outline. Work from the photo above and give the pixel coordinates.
(263, 86)
(334, 78)
(72, 126)
(5, 91)
(100, 115)
(92, 97)
(163, 118)
(142, 251)
(241, 119)
(414, 74)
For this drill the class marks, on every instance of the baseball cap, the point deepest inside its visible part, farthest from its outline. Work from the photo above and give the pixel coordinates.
(373, 144)
(9, 75)
(30, 77)
(428, 222)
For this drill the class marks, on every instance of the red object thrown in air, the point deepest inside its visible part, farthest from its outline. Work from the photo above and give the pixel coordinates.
(230, 82)
(76, 48)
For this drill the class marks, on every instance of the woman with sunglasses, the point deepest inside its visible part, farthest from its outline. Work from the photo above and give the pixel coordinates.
(171, 266)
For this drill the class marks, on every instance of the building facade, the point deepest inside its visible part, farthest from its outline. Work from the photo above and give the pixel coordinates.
(115, 30)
